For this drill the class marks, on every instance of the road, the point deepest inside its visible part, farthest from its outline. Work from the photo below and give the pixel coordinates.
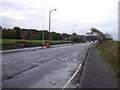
(45, 68)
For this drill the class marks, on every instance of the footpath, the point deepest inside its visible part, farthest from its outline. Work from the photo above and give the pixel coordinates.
(97, 73)
(31, 48)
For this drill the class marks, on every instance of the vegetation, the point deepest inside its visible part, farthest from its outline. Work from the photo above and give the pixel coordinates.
(33, 34)
(14, 41)
(79, 39)
(109, 50)
(96, 34)
(107, 47)
(20, 38)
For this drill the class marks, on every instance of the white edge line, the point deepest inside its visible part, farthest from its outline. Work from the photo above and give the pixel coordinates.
(71, 77)
(84, 68)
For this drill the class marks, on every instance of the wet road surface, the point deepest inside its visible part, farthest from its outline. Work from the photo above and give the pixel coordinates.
(46, 68)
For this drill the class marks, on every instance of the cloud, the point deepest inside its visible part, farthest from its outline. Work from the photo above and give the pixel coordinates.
(102, 14)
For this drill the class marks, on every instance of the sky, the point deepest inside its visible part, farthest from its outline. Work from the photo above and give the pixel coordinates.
(34, 14)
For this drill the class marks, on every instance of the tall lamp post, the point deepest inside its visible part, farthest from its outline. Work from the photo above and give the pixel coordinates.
(50, 21)
(49, 39)
(73, 31)
(43, 27)
(74, 27)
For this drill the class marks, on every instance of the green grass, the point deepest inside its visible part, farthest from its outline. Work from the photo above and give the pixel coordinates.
(14, 41)
(109, 51)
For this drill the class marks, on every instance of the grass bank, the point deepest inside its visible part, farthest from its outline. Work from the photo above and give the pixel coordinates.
(14, 41)
(109, 51)
(17, 43)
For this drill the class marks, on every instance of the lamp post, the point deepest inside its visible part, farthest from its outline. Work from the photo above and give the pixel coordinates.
(49, 38)
(73, 27)
(73, 31)
(43, 27)
(50, 21)
(43, 42)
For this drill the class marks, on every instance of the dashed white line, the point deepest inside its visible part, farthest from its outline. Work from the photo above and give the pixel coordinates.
(64, 59)
(53, 61)
(75, 60)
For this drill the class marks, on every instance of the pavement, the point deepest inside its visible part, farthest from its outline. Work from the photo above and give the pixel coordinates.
(31, 48)
(97, 73)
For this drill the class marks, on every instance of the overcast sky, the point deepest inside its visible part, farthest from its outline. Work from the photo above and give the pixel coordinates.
(101, 14)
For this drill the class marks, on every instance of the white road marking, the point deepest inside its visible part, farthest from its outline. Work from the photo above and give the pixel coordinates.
(71, 77)
(74, 59)
(53, 61)
(64, 59)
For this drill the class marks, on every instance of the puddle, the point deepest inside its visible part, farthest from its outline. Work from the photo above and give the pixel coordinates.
(56, 79)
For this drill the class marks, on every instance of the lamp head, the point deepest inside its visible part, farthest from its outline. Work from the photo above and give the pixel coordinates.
(75, 25)
(53, 10)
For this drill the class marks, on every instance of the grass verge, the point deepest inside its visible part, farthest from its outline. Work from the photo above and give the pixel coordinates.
(14, 41)
(109, 51)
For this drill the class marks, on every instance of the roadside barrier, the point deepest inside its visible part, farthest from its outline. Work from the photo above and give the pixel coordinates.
(47, 44)
(43, 44)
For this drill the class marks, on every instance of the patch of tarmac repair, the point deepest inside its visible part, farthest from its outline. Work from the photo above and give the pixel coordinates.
(9, 76)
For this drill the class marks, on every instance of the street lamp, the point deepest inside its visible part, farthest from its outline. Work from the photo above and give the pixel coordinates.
(43, 42)
(49, 37)
(73, 31)
(43, 27)
(73, 27)
(50, 21)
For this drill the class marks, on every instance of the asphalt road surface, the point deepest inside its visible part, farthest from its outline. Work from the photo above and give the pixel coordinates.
(45, 68)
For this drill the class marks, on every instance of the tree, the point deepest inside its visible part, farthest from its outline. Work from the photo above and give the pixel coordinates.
(76, 39)
(56, 36)
(65, 36)
(1, 31)
(108, 36)
(96, 34)
(18, 33)
(8, 34)
(46, 35)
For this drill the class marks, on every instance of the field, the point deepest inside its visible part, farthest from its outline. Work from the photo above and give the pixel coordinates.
(14, 41)
(109, 51)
